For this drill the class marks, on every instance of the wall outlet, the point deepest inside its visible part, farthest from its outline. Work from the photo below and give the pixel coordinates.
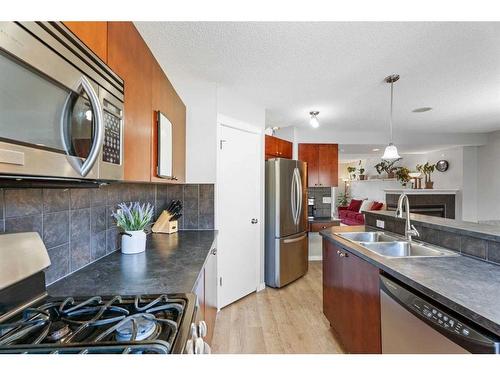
(380, 224)
(327, 200)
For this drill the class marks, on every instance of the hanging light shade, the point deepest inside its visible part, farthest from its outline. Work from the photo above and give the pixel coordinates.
(391, 151)
(313, 121)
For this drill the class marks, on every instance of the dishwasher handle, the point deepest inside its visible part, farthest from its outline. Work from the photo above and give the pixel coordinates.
(449, 325)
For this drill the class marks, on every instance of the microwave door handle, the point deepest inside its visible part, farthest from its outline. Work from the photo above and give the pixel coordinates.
(85, 167)
(99, 126)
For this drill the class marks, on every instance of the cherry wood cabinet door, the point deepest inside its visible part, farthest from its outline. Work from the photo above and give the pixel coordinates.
(332, 285)
(165, 99)
(362, 302)
(285, 149)
(309, 153)
(130, 58)
(351, 299)
(328, 164)
(93, 33)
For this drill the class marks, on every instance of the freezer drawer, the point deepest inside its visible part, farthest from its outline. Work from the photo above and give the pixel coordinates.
(287, 260)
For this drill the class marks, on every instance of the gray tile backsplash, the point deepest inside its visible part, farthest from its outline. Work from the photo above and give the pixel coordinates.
(321, 209)
(76, 224)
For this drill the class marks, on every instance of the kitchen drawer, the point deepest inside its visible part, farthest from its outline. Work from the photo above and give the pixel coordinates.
(316, 227)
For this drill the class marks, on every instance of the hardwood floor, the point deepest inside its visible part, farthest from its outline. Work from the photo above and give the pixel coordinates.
(277, 321)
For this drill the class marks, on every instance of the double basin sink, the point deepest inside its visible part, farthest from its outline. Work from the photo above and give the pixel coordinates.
(390, 246)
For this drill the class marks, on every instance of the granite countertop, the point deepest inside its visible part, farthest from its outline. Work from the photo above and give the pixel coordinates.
(483, 231)
(170, 264)
(468, 286)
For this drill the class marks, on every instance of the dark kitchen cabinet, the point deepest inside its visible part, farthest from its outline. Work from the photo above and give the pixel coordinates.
(322, 163)
(351, 299)
(94, 34)
(130, 58)
(278, 148)
(206, 292)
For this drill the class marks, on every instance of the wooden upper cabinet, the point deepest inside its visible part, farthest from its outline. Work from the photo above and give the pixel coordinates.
(310, 154)
(93, 34)
(322, 163)
(130, 58)
(277, 148)
(165, 99)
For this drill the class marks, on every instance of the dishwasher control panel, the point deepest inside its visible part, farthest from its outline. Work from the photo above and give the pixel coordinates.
(439, 317)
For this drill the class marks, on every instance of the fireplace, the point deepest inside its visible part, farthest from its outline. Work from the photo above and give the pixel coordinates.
(425, 203)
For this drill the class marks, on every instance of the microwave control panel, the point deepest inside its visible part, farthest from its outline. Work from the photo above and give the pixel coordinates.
(111, 150)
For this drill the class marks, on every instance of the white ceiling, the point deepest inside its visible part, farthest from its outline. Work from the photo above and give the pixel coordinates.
(338, 68)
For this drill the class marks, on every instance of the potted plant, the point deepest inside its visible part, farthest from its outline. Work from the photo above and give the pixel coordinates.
(403, 175)
(361, 171)
(351, 171)
(427, 169)
(342, 200)
(133, 218)
(387, 167)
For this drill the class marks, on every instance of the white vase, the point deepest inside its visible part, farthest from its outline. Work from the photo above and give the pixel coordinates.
(133, 242)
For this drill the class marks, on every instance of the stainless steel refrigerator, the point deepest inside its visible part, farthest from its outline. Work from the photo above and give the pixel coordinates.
(286, 252)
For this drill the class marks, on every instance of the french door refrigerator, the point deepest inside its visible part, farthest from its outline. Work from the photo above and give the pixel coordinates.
(286, 247)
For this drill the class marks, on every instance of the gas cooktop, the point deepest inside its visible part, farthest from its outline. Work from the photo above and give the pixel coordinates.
(118, 324)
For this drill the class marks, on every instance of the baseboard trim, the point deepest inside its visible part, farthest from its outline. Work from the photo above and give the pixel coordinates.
(315, 257)
(261, 286)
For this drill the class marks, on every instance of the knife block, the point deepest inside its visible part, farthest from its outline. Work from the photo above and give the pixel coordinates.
(164, 225)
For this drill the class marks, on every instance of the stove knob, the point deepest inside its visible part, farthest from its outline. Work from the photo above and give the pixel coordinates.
(199, 346)
(202, 328)
(194, 330)
(189, 347)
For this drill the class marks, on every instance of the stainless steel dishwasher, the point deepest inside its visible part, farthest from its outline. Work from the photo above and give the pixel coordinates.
(412, 324)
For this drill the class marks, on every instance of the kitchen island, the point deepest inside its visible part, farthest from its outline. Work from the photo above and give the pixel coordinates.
(464, 285)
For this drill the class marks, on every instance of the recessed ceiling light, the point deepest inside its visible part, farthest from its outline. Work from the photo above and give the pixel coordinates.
(422, 109)
(376, 149)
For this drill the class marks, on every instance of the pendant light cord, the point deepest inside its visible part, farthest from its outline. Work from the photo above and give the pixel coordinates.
(390, 118)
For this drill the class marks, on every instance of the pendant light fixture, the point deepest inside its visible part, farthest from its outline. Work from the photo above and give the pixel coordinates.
(391, 151)
(313, 121)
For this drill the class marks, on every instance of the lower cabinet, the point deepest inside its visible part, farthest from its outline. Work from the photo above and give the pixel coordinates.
(351, 299)
(206, 293)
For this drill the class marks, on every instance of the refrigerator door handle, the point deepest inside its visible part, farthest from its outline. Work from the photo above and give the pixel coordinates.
(295, 239)
(299, 194)
(293, 198)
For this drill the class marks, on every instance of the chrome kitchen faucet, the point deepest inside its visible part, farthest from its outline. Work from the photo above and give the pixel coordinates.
(410, 230)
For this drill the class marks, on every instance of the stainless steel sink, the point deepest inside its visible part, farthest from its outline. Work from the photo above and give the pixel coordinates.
(405, 249)
(368, 236)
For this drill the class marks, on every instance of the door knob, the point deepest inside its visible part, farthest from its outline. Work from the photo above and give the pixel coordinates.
(254, 221)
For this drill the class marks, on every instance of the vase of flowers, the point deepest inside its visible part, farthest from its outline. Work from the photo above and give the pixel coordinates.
(132, 219)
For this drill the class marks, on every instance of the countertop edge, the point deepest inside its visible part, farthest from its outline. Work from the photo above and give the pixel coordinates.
(473, 316)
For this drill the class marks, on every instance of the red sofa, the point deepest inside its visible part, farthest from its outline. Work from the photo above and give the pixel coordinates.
(350, 215)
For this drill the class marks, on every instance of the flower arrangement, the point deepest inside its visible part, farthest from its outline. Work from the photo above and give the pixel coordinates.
(427, 169)
(403, 175)
(133, 216)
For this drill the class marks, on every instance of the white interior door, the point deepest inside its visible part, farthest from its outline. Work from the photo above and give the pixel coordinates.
(239, 207)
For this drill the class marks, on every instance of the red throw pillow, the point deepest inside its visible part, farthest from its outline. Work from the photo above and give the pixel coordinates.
(355, 205)
(376, 206)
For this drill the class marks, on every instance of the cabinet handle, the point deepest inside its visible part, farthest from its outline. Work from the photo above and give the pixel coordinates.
(342, 255)
(338, 252)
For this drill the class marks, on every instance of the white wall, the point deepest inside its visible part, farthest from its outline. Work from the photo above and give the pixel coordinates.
(488, 177)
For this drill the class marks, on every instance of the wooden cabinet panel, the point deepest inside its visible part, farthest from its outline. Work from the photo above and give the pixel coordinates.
(310, 154)
(322, 163)
(93, 34)
(199, 291)
(277, 148)
(130, 58)
(351, 300)
(165, 99)
(316, 227)
(328, 164)
(211, 293)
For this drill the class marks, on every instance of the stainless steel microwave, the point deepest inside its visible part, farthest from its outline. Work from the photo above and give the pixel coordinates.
(61, 107)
